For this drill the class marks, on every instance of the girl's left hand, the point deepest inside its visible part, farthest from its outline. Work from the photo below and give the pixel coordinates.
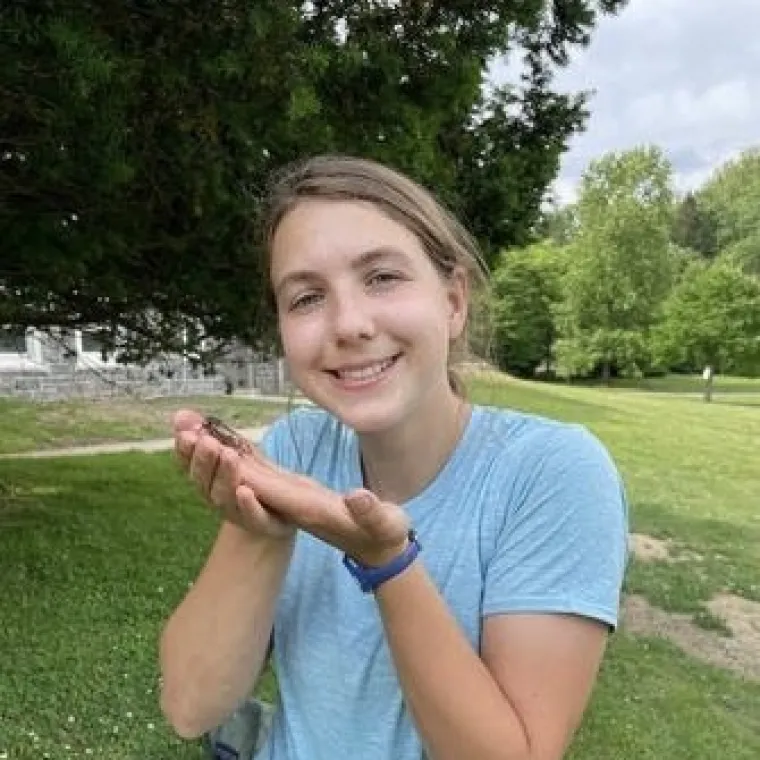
(366, 529)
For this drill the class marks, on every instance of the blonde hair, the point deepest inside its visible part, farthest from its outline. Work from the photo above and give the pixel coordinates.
(345, 178)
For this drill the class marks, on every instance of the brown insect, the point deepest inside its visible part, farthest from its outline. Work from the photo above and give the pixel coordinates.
(227, 436)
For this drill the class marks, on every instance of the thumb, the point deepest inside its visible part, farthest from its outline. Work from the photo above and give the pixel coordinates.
(365, 508)
(362, 503)
(378, 518)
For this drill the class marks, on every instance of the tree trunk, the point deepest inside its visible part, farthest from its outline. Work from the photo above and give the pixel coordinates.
(709, 388)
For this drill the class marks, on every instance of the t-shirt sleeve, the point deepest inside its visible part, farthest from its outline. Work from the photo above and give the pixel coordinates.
(562, 547)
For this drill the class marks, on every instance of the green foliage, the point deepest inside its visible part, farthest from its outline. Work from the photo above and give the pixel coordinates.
(745, 254)
(695, 226)
(620, 266)
(636, 295)
(712, 317)
(558, 224)
(526, 289)
(136, 140)
(732, 196)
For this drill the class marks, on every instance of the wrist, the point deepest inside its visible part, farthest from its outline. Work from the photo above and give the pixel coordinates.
(257, 542)
(377, 557)
(371, 577)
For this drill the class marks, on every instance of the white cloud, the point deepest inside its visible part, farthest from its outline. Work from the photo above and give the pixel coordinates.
(681, 74)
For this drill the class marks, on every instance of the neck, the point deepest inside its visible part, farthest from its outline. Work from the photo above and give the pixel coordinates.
(400, 463)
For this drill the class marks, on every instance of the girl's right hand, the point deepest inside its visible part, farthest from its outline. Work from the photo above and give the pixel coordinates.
(219, 471)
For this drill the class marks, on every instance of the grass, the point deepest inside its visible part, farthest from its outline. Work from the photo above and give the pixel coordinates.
(692, 475)
(93, 558)
(27, 425)
(686, 384)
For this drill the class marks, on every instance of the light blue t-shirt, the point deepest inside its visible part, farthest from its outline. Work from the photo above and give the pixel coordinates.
(527, 515)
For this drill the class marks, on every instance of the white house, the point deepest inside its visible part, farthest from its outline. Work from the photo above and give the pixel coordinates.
(64, 364)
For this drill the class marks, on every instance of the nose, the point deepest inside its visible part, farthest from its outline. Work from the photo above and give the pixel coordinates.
(352, 318)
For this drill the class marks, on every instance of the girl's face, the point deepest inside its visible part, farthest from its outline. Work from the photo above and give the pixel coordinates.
(366, 319)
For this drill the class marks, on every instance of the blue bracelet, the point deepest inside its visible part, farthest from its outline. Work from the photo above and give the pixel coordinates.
(370, 578)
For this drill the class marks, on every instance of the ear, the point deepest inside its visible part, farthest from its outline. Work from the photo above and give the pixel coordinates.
(458, 298)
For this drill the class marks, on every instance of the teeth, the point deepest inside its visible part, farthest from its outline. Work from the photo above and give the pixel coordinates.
(366, 373)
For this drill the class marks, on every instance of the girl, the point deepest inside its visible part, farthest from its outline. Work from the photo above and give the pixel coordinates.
(435, 577)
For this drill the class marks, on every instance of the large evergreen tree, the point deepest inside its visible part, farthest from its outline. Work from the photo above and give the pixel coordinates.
(136, 139)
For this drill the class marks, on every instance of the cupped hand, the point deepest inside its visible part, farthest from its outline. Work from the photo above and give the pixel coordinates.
(217, 471)
(254, 493)
(358, 523)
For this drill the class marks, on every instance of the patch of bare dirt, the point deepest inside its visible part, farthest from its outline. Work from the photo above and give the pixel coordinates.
(650, 549)
(739, 653)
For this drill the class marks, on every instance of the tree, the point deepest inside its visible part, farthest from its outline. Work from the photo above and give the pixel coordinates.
(526, 290)
(732, 197)
(620, 268)
(695, 227)
(745, 254)
(557, 223)
(712, 317)
(136, 140)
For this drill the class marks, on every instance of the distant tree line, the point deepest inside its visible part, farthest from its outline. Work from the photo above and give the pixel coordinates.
(631, 280)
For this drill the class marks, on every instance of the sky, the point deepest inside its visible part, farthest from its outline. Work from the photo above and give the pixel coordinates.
(680, 74)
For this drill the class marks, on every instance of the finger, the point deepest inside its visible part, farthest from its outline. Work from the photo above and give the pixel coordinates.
(184, 446)
(221, 491)
(364, 507)
(186, 419)
(297, 501)
(299, 497)
(204, 463)
(377, 518)
(259, 519)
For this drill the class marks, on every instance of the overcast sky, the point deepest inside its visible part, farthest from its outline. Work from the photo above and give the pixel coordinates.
(682, 74)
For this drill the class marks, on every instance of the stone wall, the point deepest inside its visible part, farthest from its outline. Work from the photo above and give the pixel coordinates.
(65, 381)
(59, 367)
(57, 386)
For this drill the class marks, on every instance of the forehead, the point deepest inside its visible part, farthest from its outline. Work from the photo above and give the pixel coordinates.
(323, 234)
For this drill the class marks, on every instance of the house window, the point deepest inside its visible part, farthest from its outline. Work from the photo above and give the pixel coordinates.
(13, 341)
(90, 349)
(20, 349)
(91, 343)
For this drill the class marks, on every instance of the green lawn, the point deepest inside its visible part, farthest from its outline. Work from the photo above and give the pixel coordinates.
(94, 554)
(686, 384)
(26, 425)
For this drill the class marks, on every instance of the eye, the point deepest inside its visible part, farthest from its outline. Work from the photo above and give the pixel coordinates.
(304, 301)
(383, 278)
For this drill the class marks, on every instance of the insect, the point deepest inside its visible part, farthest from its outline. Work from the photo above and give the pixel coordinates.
(227, 436)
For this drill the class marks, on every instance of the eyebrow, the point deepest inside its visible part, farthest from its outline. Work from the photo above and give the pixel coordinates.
(365, 258)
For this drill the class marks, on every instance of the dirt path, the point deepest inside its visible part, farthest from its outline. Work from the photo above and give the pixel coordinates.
(159, 444)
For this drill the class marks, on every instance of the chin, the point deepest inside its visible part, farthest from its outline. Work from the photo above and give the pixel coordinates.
(365, 416)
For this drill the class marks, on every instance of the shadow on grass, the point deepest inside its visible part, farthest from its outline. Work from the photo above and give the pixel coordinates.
(743, 404)
(536, 399)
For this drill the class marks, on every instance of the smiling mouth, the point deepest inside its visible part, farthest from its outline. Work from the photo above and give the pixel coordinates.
(365, 374)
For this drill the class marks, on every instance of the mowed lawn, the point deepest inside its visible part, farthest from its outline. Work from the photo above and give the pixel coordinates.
(95, 552)
(26, 425)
